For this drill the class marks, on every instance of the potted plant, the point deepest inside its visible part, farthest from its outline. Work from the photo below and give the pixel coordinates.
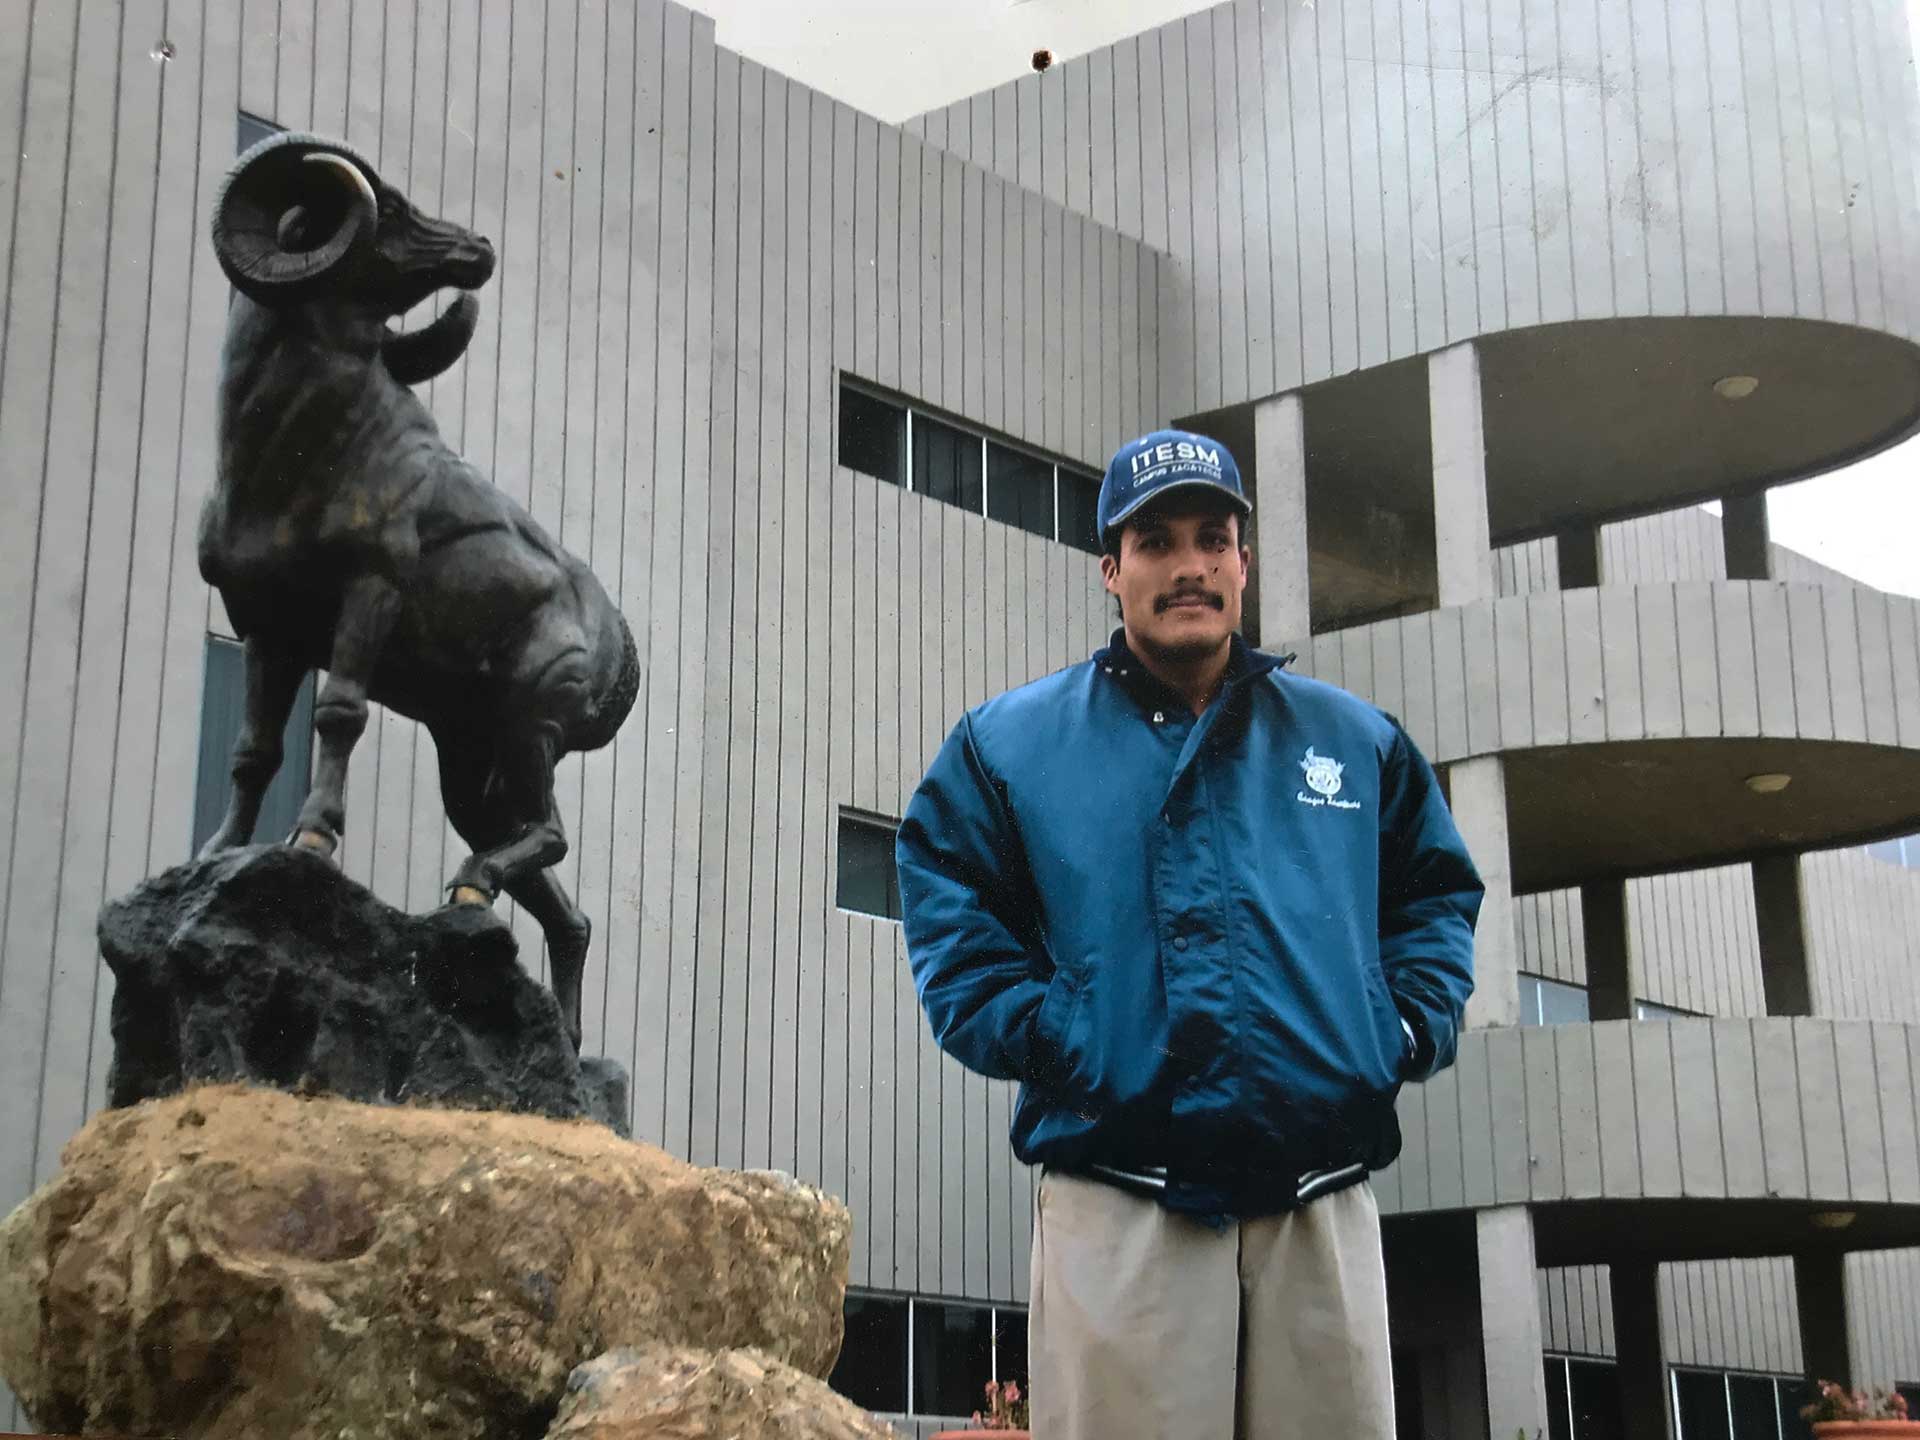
(1006, 1414)
(1857, 1415)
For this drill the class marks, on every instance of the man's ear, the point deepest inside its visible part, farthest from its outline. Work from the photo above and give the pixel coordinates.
(1246, 562)
(1110, 573)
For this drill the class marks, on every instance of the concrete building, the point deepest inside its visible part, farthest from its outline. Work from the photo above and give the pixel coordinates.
(1478, 293)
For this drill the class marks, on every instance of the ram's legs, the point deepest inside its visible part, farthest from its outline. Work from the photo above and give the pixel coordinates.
(340, 714)
(273, 680)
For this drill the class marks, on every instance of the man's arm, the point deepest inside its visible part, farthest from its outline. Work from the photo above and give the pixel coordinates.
(1429, 899)
(970, 914)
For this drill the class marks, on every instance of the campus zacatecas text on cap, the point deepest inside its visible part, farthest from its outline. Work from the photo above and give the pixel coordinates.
(1147, 468)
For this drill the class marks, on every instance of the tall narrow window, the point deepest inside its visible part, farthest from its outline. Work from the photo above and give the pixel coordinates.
(1019, 490)
(946, 463)
(223, 709)
(868, 880)
(873, 436)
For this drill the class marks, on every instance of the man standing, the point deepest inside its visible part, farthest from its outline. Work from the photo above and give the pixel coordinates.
(1210, 915)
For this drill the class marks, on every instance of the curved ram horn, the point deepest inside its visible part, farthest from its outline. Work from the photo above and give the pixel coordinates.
(277, 193)
(418, 355)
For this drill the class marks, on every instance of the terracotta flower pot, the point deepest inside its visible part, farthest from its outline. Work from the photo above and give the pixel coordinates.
(1867, 1429)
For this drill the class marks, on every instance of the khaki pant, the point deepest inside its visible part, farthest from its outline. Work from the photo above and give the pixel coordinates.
(1153, 1325)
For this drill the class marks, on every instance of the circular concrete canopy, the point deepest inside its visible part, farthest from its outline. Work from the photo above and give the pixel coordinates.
(1577, 813)
(1598, 420)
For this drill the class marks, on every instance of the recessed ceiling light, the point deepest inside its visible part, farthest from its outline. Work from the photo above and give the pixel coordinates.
(1735, 387)
(1831, 1219)
(1769, 784)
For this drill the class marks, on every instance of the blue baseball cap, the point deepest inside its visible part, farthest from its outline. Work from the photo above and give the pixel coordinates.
(1147, 468)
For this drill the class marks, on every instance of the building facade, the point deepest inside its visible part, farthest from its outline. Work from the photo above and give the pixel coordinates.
(1475, 296)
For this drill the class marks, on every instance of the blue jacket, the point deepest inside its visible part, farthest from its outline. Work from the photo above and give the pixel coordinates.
(1193, 940)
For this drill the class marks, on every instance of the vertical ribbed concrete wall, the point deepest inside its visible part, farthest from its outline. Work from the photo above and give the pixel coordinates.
(1359, 180)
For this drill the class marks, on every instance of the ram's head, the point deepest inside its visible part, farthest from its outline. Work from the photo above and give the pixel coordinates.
(302, 219)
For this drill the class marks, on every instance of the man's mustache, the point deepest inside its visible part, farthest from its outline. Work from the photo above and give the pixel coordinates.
(1166, 602)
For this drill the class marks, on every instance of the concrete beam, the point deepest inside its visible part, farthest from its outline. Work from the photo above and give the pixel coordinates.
(1820, 1285)
(1280, 553)
(1780, 914)
(1510, 1322)
(1477, 794)
(1612, 984)
(1462, 550)
(1646, 1407)
(1744, 535)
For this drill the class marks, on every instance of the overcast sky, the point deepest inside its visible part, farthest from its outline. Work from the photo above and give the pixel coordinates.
(897, 58)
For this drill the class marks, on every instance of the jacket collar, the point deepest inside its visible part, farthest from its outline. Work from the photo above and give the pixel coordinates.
(1116, 658)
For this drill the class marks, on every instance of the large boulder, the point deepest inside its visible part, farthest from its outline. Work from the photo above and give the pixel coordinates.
(240, 1262)
(675, 1392)
(265, 964)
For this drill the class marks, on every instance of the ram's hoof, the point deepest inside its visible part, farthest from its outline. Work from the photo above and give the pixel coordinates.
(318, 841)
(470, 895)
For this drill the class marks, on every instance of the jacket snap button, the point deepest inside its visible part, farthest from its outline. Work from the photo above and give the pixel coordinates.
(1179, 942)
(1159, 717)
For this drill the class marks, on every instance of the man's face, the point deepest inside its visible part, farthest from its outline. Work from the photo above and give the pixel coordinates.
(1179, 576)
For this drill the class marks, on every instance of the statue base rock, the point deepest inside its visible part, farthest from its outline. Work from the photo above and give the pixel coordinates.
(669, 1390)
(243, 1262)
(266, 965)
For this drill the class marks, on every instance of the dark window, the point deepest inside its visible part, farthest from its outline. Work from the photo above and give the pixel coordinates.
(1010, 1345)
(251, 131)
(1559, 1418)
(872, 1368)
(1751, 1399)
(1795, 1395)
(952, 1358)
(1594, 1397)
(1079, 510)
(1701, 1399)
(869, 882)
(1020, 490)
(1911, 1394)
(873, 436)
(946, 463)
(223, 709)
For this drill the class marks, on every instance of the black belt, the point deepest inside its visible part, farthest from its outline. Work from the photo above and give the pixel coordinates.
(1150, 1181)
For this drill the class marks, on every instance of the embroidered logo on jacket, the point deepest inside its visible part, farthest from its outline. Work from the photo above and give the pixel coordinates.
(1323, 778)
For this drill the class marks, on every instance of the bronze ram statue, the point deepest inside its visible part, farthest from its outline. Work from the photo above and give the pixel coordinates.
(345, 536)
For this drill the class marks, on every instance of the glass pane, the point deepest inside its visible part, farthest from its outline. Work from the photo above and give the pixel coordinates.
(873, 435)
(1647, 1010)
(952, 1358)
(1559, 1425)
(1753, 1417)
(946, 463)
(1795, 1396)
(1703, 1405)
(1409, 1420)
(872, 1368)
(251, 131)
(1596, 1400)
(1562, 1004)
(223, 708)
(1079, 510)
(868, 879)
(1020, 490)
(1010, 1345)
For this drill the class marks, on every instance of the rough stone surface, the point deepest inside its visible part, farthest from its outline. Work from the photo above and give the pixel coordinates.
(675, 1392)
(241, 1262)
(267, 965)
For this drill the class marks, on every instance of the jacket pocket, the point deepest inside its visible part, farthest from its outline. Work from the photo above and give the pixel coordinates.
(1388, 1034)
(1049, 1054)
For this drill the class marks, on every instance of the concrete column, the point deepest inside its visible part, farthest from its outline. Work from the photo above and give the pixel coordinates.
(1613, 982)
(1820, 1282)
(1743, 533)
(1280, 519)
(1580, 558)
(1779, 906)
(1477, 793)
(1461, 547)
(1646, 1404)
(1510, 1322)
